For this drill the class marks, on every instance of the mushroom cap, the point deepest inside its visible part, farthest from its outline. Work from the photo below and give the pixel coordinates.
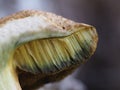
(45, 47)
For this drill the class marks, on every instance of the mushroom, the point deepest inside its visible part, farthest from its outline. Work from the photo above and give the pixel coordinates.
(38, 47)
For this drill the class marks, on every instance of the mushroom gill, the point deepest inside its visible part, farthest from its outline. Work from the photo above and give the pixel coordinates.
(40, 47)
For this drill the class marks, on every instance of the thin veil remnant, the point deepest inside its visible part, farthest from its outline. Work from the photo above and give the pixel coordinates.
(38, 47)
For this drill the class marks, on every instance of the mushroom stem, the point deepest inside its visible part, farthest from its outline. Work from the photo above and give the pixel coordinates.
(9, 79)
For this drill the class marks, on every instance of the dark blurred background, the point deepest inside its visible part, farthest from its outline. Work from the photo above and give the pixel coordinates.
(102, 72)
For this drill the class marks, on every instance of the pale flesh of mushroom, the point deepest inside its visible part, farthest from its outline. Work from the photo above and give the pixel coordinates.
(38, 47)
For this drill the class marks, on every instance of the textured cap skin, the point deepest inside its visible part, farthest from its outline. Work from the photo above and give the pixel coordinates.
(47, 47)
(58, 20)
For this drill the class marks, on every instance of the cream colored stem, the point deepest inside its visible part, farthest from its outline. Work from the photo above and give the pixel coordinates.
(9, 80)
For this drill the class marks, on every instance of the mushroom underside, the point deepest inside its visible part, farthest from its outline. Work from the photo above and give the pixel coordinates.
(51, 59)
